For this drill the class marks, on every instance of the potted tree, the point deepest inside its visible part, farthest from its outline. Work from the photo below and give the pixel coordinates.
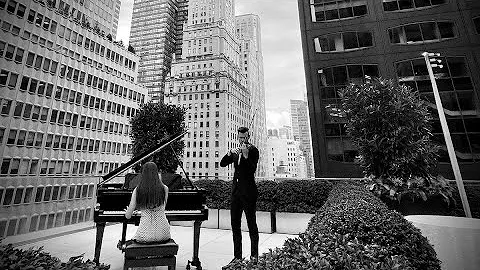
(390, 126)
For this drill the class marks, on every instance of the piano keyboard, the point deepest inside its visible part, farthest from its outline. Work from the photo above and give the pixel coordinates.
(167, 212)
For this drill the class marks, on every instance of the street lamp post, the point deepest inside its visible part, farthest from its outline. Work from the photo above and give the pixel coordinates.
(433, 62)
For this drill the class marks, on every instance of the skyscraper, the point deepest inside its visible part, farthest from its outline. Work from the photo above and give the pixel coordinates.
(301, 131)
(66, 96)
(209, 82)
(248, 31)
(345, 40)
(156, 35)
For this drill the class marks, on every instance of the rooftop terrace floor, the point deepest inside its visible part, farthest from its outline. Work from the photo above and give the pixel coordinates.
(215, 250)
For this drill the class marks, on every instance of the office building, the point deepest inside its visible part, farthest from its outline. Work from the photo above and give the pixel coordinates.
(285, 159)
(66, 96)
(343, 41)
(301, 131)
(209, 82)
(156, 36)
(248, 31)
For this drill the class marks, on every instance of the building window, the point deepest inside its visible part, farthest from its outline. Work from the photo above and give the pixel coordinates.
(422, 32)
(476, 22)
(394, 5)
(332, 79)
(340, 42)
(458, 98)
(328, 10)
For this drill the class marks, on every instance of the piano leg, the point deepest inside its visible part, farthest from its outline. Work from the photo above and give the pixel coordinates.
(98, 241)
(196, 241)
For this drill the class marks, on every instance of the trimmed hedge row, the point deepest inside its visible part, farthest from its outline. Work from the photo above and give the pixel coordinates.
(352, 230)
(34, 259)
(299, 196)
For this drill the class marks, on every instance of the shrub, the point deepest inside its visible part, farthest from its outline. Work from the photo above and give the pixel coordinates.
(302, 196)
(390, 126)
(217, 193)
(352, 230)
(473, 195)
(267, 196)
(14, 258)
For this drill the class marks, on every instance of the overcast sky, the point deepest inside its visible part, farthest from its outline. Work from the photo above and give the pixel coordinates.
(282, 52)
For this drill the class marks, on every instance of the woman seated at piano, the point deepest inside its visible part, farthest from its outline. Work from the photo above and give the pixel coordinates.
(150, 197)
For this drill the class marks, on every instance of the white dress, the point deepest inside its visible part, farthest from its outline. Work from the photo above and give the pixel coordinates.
(153, 226)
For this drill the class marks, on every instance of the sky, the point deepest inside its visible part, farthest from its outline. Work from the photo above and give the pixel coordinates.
(281, 47)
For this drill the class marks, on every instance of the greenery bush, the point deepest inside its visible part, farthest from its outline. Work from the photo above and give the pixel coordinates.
(37, 259)
(298, 196)
(301, 196)
(390, 126)
(153, 123)
(217, 193)
(352, 230)
(473, 195)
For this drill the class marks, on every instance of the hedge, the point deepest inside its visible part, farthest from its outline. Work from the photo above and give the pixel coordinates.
(352, 230)
(299, 196)
(37, 259)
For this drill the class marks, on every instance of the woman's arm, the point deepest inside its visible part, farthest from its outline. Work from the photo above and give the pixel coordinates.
(132, 205)
(166, 195)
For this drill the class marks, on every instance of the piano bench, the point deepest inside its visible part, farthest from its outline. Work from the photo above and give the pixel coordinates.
(151, 254)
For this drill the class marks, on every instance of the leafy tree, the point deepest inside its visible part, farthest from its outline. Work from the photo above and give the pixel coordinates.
(155, 122)
(390, 125)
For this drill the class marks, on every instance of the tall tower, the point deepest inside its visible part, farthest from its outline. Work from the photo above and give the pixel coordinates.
(208, 82)
(248, 32)
(156, 35)
(66, 96)
(301, 131)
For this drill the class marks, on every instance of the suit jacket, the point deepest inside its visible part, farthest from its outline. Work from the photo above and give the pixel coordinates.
(244, 176)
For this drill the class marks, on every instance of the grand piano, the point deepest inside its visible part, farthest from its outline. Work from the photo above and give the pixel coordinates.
(185, 204)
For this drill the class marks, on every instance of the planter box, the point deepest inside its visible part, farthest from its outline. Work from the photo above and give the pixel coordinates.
(211, 222)
(264, 222)
(292, 223)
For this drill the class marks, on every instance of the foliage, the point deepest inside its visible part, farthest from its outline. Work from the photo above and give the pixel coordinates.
(390, 126)
(473, 196)
(37, 259)
(217, 193)
(109, 37)
(267, 195)
(302, 196)
(352, 230)
(153, 123)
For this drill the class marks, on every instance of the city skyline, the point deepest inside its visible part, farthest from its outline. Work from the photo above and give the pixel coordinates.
(282, 51)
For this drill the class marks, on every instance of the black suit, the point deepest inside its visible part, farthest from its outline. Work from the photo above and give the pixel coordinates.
(244, 198)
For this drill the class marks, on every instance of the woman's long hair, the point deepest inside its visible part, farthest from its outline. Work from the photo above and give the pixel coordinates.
(150, 190)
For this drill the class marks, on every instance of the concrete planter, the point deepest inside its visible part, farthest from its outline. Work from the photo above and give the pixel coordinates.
(292, 223)
(264, 221)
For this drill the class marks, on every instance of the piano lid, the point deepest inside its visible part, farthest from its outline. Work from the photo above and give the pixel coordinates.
(152, 150)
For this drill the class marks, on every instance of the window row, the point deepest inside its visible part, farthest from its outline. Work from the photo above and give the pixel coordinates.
(394, 5)
(330, 10)
(44, 221)
(71, 35)
(11, 52)
(9, 27)
(207, 124)
(345, 41)
(63, 142)
(72, 54)
(13, 7)
(422, 32)
(34, 166)
(38, 113)
(200, 144)
(25, 195)
(48, 65)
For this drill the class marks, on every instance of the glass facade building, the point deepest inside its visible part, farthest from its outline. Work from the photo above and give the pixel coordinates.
(345, 40)
(156, 36)
(66, 96)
